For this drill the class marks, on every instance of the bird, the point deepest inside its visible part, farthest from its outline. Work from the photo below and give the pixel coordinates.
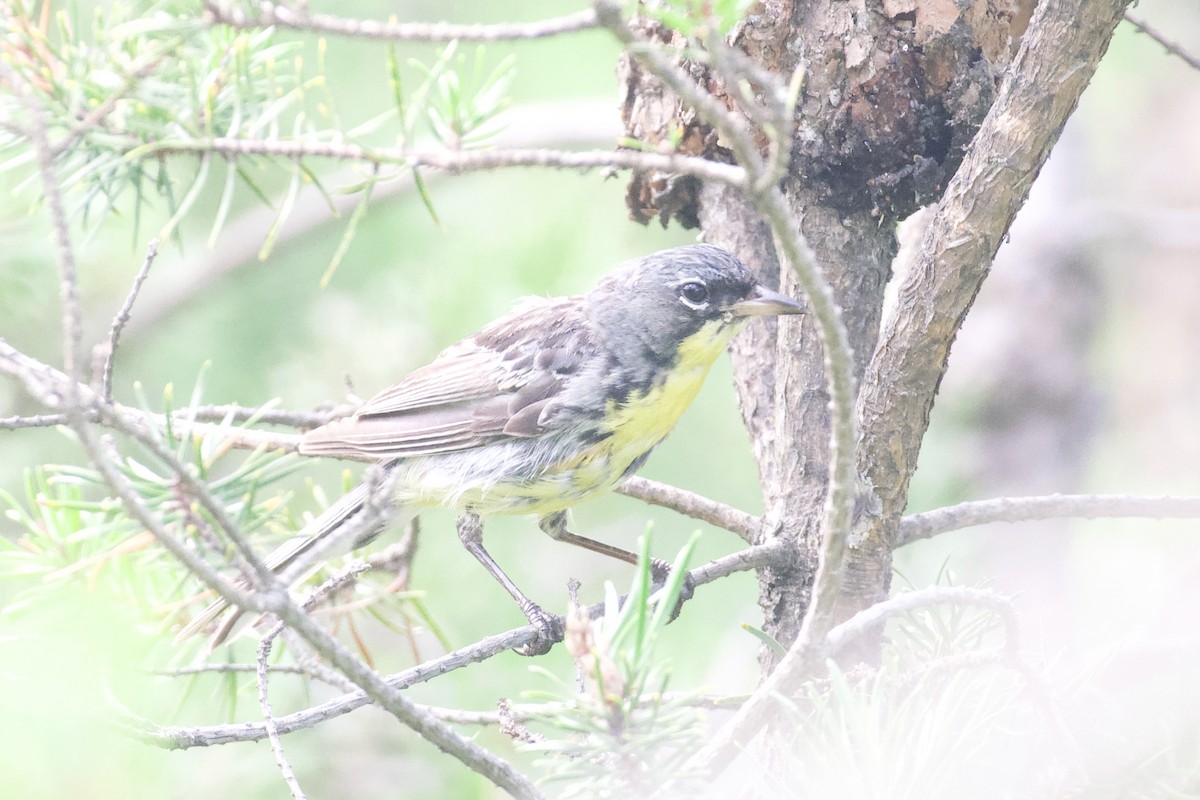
(551, 404)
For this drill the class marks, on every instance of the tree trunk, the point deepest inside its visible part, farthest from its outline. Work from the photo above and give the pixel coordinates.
(893, 96)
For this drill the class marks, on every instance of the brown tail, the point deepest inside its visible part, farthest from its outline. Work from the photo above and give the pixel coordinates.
(313, 535)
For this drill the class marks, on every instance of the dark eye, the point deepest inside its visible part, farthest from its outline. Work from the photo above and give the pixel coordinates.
(694, 293)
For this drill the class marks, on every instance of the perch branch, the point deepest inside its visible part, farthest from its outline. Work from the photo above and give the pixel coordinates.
(1022, 509)
(281, 16)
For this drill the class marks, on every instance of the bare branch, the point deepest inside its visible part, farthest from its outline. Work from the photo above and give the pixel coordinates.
(525, 712)
(871, 618)
(1058, 57)
(35, 421)
(291, 419)
(327, 588)
(281, 16)
(79, 403)
(182, 738)
(264, 702)
(46, 384)
(122, 318)
(223, 669)
(394, 702)
(533, 126)
(1022, 509)
(452, 161)
(692, 505)
(1170, 46)
(72, 313)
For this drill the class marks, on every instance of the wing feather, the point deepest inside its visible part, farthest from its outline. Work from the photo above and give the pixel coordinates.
(496, 385)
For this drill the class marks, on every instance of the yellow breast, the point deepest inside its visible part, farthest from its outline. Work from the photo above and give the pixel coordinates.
(645, 418)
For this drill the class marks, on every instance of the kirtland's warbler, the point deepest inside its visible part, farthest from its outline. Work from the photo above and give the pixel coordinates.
(553, 403)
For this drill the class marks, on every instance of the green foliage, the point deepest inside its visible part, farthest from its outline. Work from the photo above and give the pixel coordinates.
(624, 732)
(463, 100)
(943, 708)
(136, 96)
(114, 84)
(71, 526)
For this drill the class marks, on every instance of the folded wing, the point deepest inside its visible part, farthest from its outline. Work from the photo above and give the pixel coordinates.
(503, 382)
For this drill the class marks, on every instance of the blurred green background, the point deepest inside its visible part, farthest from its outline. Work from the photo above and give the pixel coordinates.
(1091, 303)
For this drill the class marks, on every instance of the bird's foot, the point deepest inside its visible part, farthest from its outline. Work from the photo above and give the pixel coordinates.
(549, 631)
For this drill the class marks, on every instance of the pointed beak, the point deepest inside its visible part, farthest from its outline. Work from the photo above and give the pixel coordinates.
(762, 302)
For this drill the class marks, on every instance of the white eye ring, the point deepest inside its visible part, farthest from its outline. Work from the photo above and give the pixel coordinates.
(693, 294)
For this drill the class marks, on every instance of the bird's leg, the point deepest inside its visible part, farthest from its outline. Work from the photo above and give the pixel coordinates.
(555, 526)
(470, 533)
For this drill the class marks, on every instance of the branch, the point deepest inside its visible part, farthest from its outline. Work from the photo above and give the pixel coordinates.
(69, 393)
(870, 619)
(1022, 509)
(527, 712)
(66, 390)
(290, 419)
(533, 126)
(35, 421)
(38, 377)
(122, 319)
(264, 703)
(455, 162)
(1170, 46)
(1037, 96)
(177, 738)
(281, 16)
(329, 587)
(1058, 56)
(47, 385)
(692, 505)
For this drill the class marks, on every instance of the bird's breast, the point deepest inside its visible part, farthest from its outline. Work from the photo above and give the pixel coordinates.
(644, 418)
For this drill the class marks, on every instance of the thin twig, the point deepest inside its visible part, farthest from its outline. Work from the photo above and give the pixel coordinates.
(1022, 509)
(46, 384)
(692, 505)
(65, 390)
(264, 702)
(281, 16)
(54, 389)
(181, 738)
(122, 318)
(72, 312)
(329, 587)
(1170, 46)
(871, 618)
(35, 421)
(553, 125)
(222, 669)
(452, 161)
(525, 712)
(406, 711)
(233, 412)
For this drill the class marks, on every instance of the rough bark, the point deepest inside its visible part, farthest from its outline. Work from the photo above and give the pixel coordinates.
(895, 93)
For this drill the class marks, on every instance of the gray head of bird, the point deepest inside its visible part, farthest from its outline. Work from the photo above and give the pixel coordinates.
(661, 300)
